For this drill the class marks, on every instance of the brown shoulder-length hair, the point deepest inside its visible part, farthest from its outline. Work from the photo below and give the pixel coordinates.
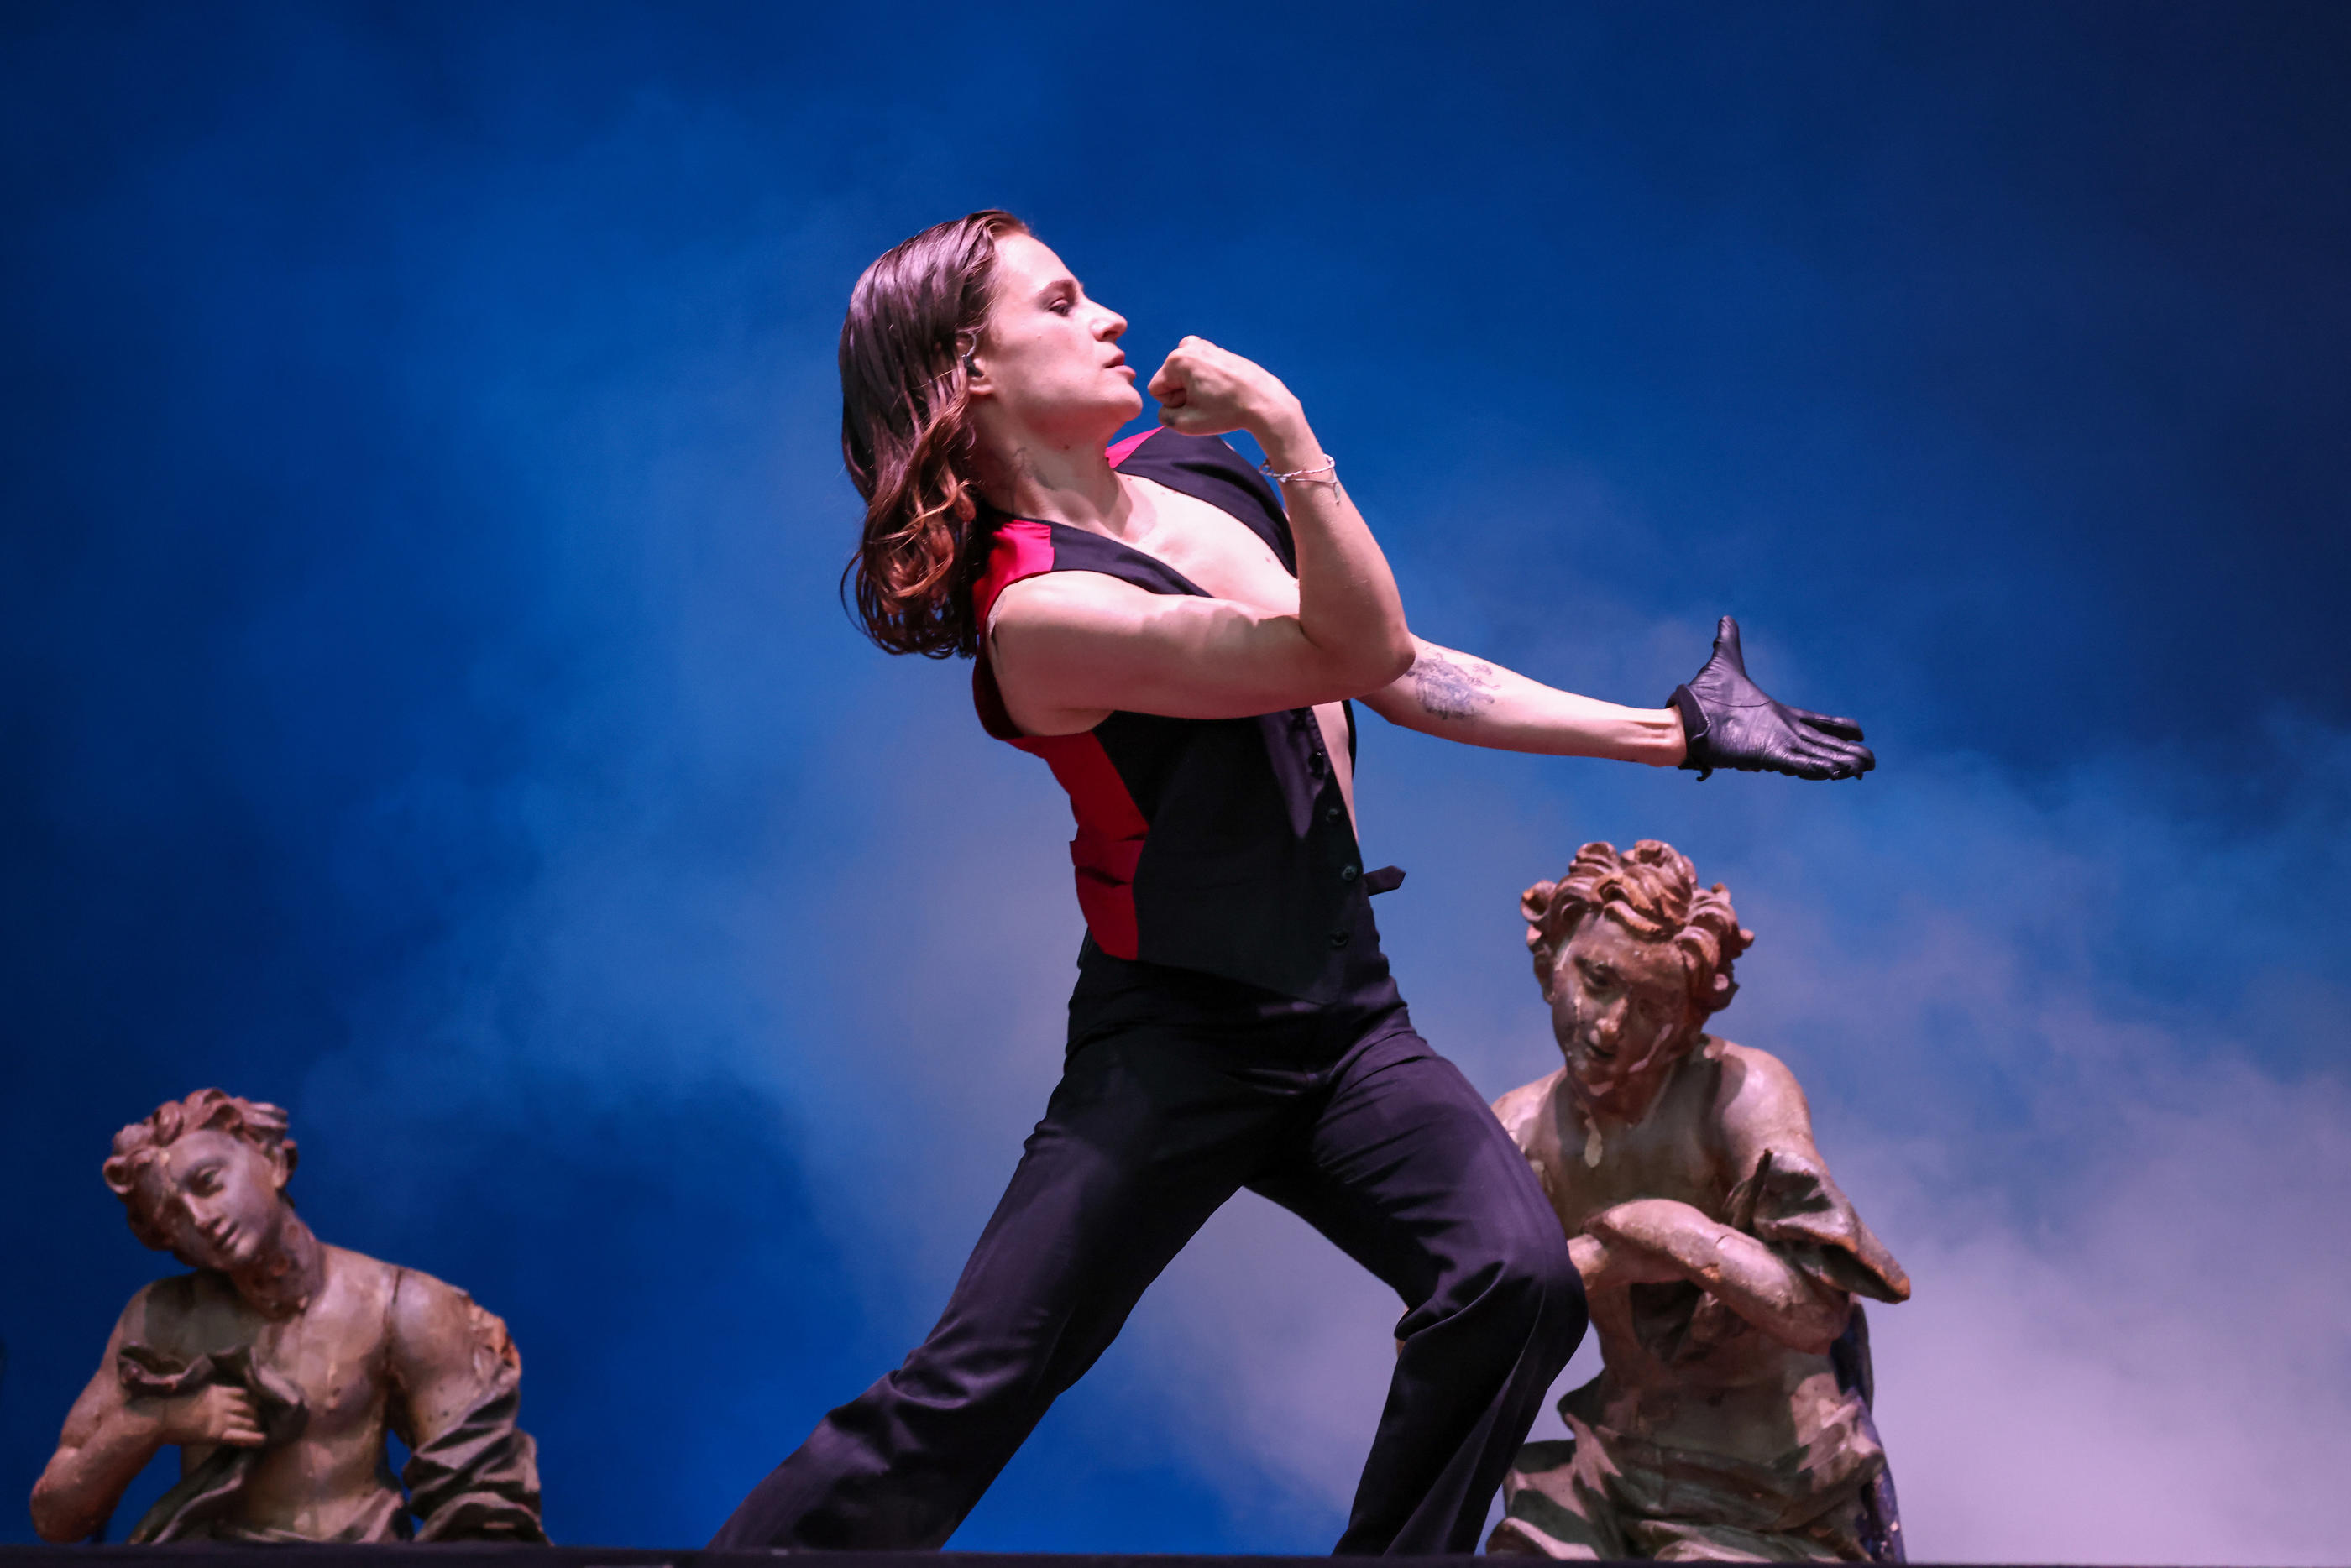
(906, 434)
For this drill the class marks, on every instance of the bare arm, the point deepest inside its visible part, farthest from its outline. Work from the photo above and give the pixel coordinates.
(1458, 697)
(1078, 645)
(109, 1437)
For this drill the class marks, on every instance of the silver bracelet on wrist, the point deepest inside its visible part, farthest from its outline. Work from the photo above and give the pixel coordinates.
(1328, 466)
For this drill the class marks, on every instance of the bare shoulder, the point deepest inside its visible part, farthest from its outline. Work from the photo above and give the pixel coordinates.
(1756, 1098)
(436, 1326)
(161, 1314)
(358, 1271)
(423, 1305)
(1520, 1110)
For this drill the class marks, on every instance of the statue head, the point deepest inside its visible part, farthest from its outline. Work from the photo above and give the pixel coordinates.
(206, 1177)
(1634, 958)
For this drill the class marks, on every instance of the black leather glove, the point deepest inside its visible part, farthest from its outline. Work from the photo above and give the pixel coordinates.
(1732, 722)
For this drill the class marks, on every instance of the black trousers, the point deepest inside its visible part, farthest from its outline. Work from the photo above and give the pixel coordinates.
(1180, 1090)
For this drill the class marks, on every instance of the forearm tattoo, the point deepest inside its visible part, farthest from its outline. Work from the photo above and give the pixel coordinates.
(1453, 690)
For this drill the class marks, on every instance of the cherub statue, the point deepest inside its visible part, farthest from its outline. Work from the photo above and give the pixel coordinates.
(1730, 1421)
(280, 1366)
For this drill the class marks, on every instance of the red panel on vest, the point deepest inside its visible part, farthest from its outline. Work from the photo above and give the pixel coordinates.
(1111, 829)
(1022, 549)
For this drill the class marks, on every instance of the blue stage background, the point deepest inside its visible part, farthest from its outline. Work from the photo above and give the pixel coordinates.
(426, 703)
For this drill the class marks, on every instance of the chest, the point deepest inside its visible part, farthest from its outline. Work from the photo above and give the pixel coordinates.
(1218, 552)
(1667, 1156)
(334, 1354)
(1228, 559)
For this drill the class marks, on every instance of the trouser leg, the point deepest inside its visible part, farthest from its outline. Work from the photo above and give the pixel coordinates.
(1410, 1175)
(1142, 1141)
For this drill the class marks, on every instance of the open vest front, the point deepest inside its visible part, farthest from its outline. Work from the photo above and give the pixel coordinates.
(1217, 845)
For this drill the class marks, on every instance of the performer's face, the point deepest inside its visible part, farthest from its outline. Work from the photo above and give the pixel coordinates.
(219, 1197)
(1049, 360)
(1620, 1008)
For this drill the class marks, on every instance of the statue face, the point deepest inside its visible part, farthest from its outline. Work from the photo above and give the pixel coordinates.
(1621, 1011)
(219, 1197)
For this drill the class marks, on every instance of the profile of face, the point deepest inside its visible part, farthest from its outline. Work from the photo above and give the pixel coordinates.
(1621, 1009)
(218, 1197)
(1048, 360)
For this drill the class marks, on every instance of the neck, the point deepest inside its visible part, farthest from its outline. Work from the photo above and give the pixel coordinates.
(1028, 476)
(1627, 1103)
(286, 1278)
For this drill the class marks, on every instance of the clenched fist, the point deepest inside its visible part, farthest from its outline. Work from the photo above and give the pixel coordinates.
(1207, 390)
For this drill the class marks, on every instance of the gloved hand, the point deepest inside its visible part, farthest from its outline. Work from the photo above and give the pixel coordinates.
(1734, 723)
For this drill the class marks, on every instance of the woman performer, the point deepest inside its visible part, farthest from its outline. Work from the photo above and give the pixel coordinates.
(1180, 651)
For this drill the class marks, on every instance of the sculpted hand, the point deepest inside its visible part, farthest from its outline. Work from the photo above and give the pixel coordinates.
(217, 1413)
(1733, 724)
(1205, 390)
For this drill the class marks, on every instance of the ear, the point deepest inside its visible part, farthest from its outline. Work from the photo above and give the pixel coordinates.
(975, 381)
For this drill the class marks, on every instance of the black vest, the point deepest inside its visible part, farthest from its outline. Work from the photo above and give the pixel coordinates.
(1217, 845)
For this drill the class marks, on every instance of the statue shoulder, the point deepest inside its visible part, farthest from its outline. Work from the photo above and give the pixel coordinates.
(162, 1313)
(422, 1304)
(1522, 1109)
(436, 1326)
(1756, 1100)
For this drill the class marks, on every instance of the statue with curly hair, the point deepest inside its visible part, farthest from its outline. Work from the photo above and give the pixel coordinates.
(281, 1365)
(1730, 1420)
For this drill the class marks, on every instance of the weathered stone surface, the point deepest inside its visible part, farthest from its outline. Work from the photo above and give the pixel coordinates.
(281, 1365)
(1731, 1418)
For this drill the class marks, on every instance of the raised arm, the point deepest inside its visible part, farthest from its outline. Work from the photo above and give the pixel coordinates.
(1078, 644)
(111, 1435)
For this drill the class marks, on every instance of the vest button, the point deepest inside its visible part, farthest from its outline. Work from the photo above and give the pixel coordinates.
(1349, 873)
(1338, 939)
(1334, 813)
(1316, 764)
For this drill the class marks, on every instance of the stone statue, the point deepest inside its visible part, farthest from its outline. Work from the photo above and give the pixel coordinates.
(1730, 1421)
(281, 1364)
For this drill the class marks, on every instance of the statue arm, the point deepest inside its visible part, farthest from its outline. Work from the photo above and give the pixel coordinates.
(437, 1368)
(472, 1472)
(111, 1435)
(103, 1448)
(1786, 1196)
(1663, 1238)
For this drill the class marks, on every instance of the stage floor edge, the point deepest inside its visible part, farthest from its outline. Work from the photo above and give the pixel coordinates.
(215, 1554)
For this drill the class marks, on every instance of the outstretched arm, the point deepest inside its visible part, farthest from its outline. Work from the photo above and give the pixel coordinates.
(1721, 719)
(1459, 697)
